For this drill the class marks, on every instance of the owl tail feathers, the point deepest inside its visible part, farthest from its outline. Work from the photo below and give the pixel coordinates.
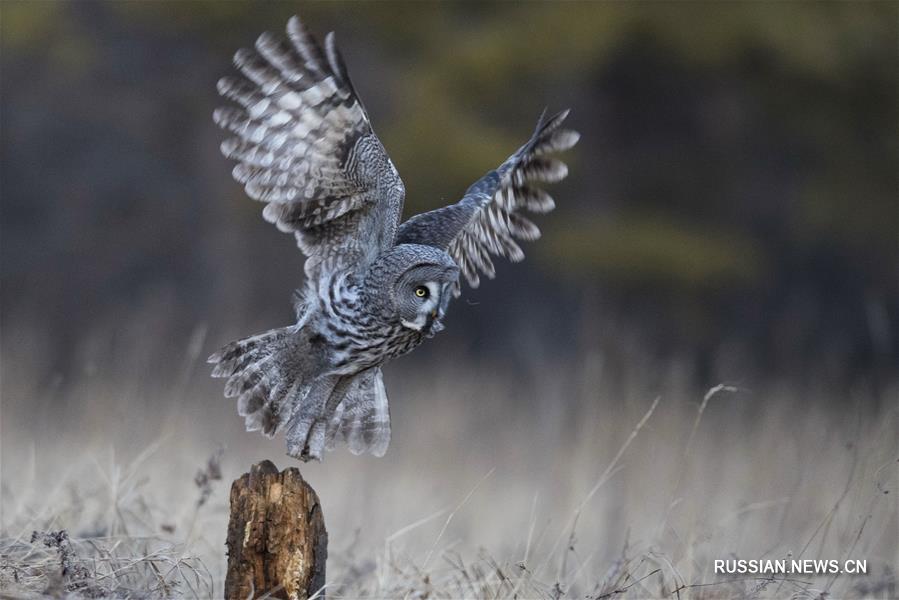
(351, 409)
(275, 387)
(257, 375)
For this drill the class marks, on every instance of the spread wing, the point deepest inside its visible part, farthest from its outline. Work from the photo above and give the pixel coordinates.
(489, 218)
(305, 148)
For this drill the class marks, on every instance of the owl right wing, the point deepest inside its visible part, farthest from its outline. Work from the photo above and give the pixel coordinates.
(489, 218)
(305, 147)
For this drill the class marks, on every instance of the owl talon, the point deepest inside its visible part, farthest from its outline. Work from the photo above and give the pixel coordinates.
(305, 456)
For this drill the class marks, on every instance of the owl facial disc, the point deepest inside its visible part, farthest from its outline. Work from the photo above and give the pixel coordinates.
(429, 308)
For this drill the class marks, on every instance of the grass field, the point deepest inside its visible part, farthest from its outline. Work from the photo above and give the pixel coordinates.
(561, 480)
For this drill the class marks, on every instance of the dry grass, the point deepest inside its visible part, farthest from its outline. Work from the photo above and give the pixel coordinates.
(556, 483)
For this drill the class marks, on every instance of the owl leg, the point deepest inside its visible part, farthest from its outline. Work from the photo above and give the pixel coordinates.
(317, 440)
(307, 428)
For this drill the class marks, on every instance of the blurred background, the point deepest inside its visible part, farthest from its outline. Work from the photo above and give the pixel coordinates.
(730, 216)
(733, 200)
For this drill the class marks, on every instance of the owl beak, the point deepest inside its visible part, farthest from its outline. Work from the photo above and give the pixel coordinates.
(434, 325)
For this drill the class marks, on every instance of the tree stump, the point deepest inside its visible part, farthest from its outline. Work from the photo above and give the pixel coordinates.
(277, 543)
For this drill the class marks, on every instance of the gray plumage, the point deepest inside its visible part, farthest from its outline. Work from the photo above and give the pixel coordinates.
(374, 288)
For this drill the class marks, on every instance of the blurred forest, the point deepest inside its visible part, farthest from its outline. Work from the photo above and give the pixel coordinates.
(732, 204)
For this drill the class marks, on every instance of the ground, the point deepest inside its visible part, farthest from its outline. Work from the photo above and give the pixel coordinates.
(553, 484)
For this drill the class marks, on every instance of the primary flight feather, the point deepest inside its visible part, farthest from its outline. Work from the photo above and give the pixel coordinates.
(374, 288)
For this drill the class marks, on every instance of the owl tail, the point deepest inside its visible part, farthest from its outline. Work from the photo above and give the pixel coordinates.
(275, 386)
(341, 408)
(263, 374)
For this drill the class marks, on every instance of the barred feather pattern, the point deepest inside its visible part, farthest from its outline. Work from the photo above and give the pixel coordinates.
(351, 409)
(255, 370)
(362, 419)
(489, 218)
(309, 377)
(305, 147)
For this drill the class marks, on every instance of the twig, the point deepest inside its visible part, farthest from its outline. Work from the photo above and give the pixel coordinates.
(453, 514)
(610, 469)
(627, 587)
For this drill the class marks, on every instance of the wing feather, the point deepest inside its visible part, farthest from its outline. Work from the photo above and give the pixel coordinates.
(304, 146)
(489, 218)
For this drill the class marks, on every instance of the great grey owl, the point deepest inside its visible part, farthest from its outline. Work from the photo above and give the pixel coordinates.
(375, 288)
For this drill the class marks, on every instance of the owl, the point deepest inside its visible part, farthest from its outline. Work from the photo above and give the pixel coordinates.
(374, 287)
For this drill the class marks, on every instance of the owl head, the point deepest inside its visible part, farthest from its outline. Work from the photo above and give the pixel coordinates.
(419, 281)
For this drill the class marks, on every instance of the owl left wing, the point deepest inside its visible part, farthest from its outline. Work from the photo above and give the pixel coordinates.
(304, 146)
(489, 218)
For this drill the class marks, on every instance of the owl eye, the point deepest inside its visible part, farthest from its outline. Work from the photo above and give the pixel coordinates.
(422, 292)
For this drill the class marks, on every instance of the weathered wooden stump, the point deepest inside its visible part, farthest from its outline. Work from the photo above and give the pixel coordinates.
(277, 543)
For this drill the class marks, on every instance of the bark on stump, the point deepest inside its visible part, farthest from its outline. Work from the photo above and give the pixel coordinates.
(277, 543)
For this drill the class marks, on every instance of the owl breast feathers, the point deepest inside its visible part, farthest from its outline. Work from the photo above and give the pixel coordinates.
(374, 288)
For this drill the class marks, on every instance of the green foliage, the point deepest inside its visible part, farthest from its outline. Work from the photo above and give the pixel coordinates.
(748, 144)
(644, 248)
(474, 78)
